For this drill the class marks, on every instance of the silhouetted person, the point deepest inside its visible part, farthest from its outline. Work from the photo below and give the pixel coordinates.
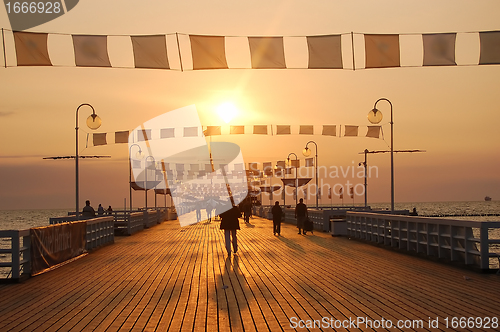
(247, 211)
(414, 212)
(301, 215)
(230, 223)
(100, 210)
(88, 211)
(198, 212)
(109, 210)
(276, 211)
(209, 208)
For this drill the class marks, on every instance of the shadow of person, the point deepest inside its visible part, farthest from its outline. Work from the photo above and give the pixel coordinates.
(291, 244)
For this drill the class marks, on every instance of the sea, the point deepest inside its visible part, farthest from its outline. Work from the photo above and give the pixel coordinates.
(479, 211)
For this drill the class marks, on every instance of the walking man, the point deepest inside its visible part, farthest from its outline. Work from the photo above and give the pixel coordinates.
(276, 211)
(301, 215)
(230, 223)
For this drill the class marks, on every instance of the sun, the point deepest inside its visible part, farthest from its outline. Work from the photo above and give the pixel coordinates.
(227, 111)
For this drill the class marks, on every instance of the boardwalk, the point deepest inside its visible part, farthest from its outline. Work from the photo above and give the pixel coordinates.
(173, 278)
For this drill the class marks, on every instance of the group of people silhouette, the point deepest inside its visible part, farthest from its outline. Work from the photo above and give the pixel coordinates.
(89, 212)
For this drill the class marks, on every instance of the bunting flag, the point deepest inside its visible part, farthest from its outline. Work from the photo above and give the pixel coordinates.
(351, 130)
(150, 52)
(167, 133)
(439, 49)
(144, 135)
(212, 130)
(490, 47)
(91, 51)
(325, 52)
(31, 49)
(172, 133)
(268, 169)
(121, 136)
(212, 52)
(190, 131)
(267, 52)
(382, 51)
(374, 131)
(99, 139)
(237, 130)
(208, 52)
(306, 130)
(283, 130)
(330, 130)
(259, 129)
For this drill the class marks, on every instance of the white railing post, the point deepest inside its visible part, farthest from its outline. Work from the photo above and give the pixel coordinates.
(484, 246)
(15, 248)
(27, 253)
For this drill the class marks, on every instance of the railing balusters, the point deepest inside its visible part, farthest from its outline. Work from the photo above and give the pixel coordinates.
(447, 239)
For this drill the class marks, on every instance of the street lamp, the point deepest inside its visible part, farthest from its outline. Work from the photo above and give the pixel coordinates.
(296, 184)
(139, 155)
(365, 165)
(375, 116)
(307, 152)
(146, 177)
(93, 122)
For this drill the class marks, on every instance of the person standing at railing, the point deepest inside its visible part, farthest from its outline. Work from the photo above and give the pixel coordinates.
(100, 210)
(88, 211)
(276, 211)
(301, 215)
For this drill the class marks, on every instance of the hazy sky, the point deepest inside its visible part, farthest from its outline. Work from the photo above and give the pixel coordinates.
(451, 112)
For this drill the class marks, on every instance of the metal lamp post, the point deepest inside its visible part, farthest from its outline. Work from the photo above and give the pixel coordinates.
(365, 166)
(375, 116)
(93, 122)
(307, 152)
(146, 178)
(296, 184)
(139, 155)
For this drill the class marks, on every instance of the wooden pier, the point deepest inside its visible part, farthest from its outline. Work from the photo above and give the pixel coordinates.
(172, 278)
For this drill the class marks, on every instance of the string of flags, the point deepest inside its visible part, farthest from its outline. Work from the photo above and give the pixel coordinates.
(178, 51)
(122, 137)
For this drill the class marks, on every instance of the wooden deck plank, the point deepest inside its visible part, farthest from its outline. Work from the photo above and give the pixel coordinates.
(168, 277)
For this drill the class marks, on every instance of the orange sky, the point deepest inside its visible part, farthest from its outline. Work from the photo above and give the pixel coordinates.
(451, 112)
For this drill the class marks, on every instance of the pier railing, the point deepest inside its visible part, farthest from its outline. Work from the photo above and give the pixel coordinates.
(18, 263)
(100, 231)
(127, 222)
(462, 241)
(320, 217)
